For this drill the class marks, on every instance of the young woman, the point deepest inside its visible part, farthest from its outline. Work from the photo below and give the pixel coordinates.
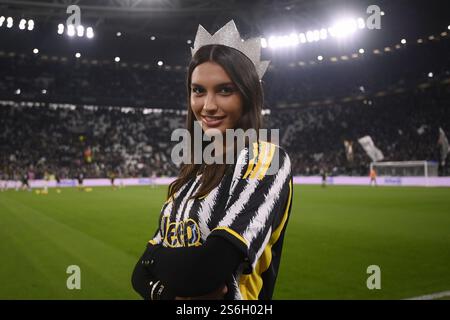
(221, 230)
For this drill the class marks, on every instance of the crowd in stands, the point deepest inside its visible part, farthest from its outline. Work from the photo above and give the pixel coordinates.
(394, 100)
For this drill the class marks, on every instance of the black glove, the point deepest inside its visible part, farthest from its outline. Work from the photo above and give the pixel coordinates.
(145, 283)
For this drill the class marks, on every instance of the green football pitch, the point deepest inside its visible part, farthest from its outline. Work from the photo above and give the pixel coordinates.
(334, 234)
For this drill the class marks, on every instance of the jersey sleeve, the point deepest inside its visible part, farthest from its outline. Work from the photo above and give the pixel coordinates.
(259, 200)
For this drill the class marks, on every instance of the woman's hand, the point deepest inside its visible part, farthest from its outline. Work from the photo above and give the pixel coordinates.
(218, 294)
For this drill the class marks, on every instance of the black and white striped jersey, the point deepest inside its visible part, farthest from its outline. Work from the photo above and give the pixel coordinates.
(250, 207)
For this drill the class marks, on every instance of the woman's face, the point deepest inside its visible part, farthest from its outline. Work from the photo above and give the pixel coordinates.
(215, 100)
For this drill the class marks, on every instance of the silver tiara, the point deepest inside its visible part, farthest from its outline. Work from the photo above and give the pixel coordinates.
(229, 36)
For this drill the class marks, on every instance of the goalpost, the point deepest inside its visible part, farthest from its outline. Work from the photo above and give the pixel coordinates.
(406, 168)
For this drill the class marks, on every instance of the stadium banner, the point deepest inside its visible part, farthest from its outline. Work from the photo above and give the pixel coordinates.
(381, 181)
(303, 180)
(348, 145)
(443, 142)
(10, 184)
(372, 151)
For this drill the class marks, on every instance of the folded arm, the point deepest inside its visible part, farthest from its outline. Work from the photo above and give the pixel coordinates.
(187, 271)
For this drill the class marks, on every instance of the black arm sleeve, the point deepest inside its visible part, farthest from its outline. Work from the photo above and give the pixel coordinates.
(144, 282)
(194, 271)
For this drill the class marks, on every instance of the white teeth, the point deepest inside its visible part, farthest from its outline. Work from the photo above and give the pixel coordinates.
(213, 118)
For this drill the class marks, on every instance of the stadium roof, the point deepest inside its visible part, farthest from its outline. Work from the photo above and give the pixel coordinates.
(173, 23)
(184, 15)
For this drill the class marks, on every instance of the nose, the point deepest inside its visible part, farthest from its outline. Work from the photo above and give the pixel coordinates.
(210, 105)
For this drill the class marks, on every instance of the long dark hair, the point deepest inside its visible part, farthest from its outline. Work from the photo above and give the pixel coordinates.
(243, 74)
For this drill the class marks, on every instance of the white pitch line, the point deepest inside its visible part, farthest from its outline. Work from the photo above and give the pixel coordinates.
(432, 296)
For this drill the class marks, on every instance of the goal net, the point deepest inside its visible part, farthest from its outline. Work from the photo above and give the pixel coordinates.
(406, 168)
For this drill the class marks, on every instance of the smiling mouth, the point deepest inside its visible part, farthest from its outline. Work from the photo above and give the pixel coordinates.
(213, 121)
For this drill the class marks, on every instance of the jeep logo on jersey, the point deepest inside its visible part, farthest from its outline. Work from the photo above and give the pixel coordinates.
(184, 233)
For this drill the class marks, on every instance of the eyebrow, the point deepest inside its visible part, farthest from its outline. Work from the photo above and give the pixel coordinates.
(217, 86)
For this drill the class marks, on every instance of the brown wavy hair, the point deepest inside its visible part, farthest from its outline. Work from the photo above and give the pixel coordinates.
(243, 74)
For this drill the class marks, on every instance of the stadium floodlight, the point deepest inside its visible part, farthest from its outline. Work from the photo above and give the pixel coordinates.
(344, 27)
(316, 35)
(89, 33)
(403, 41)
(118, 34)
(22, 24)
(70, 30)
(117, 59)
(340, 29)
(448, 27)
(320, 58)
(361, 51)
(2, 19)
(290, 40)
(44, 91)
(190, 41)
(263, 42)
(293, 39)
(35, 50)
(272, 41)
(361, 23)
(80, 31)
(430, 75)
(30, 25)
(60, 28)
(283, 41)
(10, 22)
(302, 37)
(17, 91)
(332, 31)
(77, 55)
(310, 36)
(152, 38)
(382, 13)
(160, 63)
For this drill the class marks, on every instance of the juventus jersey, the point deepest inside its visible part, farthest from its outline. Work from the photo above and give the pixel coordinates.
(250, 207)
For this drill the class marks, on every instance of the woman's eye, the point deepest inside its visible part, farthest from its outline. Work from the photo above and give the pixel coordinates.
(222, 91)
(226, 90)
(197, 90)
